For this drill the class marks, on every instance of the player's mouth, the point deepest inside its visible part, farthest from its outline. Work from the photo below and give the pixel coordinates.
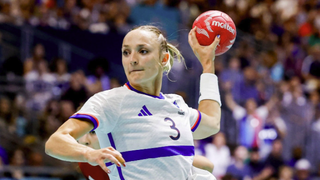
(135, 70)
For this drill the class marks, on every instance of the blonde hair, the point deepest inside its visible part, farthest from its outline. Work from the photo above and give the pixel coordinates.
(164, 46)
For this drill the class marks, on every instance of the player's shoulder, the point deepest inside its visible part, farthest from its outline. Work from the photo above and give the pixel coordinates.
(111, 94)
(173, 96)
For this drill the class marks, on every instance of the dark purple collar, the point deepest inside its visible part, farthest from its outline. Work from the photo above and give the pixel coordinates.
(133, 89)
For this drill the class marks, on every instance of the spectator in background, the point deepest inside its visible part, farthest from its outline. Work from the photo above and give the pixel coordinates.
(315, 68)
(233, 73)
(302, 168)
(39, 86)
(312, 152)
(275, 159)
(294, 59)
(272, 65)
(245, 53)
(67, 110)
(219, 154)
(7, 115)
(297, 154)
(286, 173)
(246, 88)
(70, 11)
(17, 160)
(38, 55)
(59, 69)
(274, 128)
(298, 113)
(251, 119)
(314, 56)
(238, 168)
(256, 164)
(50, 119)
(77, 92)
(98, 80)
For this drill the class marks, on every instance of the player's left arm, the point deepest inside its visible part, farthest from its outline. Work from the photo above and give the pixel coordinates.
(209, 104)
(203, 163)
(210, 119)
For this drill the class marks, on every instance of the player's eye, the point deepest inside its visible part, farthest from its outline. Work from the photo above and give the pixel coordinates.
(125, 52)
(92, 132)
(143, 51)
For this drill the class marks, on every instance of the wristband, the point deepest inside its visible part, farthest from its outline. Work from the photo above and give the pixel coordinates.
(209, 88)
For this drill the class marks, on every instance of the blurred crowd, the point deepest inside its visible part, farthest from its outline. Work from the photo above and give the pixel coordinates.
(269, 81)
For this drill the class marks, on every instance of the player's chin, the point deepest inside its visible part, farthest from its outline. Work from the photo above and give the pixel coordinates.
(135, 78)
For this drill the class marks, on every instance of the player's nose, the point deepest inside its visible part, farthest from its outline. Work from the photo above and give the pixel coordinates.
(84, 140)
(133, 59)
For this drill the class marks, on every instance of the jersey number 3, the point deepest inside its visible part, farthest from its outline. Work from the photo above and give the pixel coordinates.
(173, 126)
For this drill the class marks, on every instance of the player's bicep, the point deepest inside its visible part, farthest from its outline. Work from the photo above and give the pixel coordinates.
(205, 128)
(75, 128)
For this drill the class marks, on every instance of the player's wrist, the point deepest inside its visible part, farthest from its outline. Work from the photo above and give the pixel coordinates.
(209, 88)
(208, 67)
(86, 154)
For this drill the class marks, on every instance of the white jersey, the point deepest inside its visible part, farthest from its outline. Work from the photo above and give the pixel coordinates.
(153, 133)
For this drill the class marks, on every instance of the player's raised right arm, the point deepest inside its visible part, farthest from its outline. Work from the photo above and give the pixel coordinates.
(63, 145)
(209, 101)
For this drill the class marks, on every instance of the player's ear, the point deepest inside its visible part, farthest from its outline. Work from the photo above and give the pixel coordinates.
(165, 59)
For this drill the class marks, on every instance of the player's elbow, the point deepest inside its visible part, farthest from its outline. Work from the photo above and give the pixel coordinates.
(48, 149)
(214, 125)
(49, 146)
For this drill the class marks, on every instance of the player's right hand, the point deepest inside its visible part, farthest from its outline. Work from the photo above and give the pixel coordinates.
(205, 54)
(101, 156)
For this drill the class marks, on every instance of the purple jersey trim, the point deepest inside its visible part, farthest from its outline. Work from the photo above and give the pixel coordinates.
(114, 146)
(158, 152)
(133, 89)
(92, 118)
(196, 124)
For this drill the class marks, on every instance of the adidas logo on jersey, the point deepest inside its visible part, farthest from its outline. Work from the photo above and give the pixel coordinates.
(144, 111)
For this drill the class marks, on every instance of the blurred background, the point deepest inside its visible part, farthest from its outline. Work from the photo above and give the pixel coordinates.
(55, 54)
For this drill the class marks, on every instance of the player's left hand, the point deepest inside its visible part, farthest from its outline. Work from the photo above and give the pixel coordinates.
(205, 54)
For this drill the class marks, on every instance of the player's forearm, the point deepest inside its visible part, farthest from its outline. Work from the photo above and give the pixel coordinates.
(209, 106)
(65, 147)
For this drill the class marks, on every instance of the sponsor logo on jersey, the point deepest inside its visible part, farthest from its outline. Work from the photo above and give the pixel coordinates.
(144, 111)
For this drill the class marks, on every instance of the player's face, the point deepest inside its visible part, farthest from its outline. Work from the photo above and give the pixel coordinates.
(141, 57)
(90, 139)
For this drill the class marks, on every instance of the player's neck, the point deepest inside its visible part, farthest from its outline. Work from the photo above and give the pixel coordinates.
(152, 88)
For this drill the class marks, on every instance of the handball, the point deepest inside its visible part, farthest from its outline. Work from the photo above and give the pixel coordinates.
(212, 23)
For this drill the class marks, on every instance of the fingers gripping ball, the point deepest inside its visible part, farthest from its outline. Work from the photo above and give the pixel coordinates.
(212, 23)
